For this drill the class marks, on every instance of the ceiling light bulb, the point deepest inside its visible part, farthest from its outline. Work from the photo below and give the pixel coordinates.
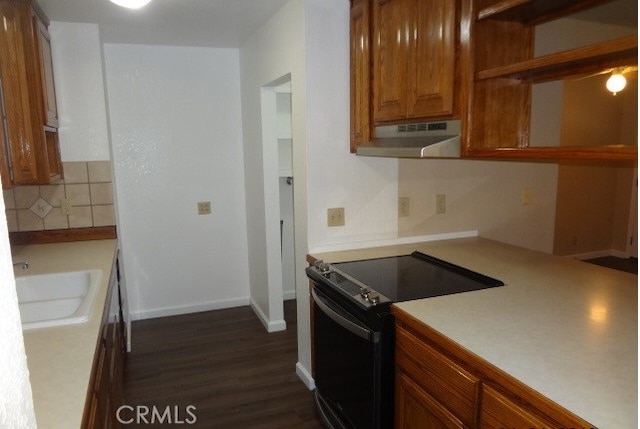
(616, 83)
(131, 4)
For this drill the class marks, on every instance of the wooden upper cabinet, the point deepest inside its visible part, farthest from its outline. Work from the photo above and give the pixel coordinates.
(50, 109)
(414, 54)
(19, 151)
(432, 59)
(390, 50)
(30, 152)
(360, 40)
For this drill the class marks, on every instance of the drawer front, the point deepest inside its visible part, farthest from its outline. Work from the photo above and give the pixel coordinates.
(452, 386)
(499, 412)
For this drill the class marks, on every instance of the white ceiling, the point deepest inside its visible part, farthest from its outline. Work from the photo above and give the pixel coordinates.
(220, 23)
(213, 23)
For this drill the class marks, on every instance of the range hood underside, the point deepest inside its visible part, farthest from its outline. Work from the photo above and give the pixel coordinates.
(412, 147)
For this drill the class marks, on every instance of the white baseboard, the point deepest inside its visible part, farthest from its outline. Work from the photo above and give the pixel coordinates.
(305, 376)
(600, 254)
(190, 308)
(270, 325)
(620, 254)
(288, 295)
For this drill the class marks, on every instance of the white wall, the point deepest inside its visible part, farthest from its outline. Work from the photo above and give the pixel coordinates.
(365, 187)
(77, 66)
(176, 136)
(485, 196)
(16, 402)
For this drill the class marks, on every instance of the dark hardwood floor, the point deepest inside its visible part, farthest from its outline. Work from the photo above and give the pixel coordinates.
(223, 363)
(630, 265)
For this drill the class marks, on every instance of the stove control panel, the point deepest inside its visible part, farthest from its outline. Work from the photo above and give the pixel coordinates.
(345, 284)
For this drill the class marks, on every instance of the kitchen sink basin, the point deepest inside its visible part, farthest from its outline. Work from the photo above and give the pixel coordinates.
(57, 299)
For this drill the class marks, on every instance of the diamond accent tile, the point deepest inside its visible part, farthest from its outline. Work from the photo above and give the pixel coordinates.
(41, 208)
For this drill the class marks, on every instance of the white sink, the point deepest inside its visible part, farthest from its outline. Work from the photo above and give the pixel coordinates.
(57, 299)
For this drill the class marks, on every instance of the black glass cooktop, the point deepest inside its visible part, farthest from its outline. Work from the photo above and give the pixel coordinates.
(402, 278)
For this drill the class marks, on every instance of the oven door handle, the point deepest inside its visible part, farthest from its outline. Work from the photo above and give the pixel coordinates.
(354, 328)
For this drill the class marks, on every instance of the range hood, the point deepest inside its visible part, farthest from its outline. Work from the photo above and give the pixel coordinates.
(424, 140)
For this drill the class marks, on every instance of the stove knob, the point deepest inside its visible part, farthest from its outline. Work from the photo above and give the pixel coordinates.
(322, 266)
(364, 292)
(374, 298)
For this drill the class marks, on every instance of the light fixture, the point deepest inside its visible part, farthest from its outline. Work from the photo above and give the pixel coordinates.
(616, 82)
(131, 4)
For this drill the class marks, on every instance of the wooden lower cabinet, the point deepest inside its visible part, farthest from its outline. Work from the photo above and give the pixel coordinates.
(441, 385)
(415, 408)
(105, 394)
(453, 389)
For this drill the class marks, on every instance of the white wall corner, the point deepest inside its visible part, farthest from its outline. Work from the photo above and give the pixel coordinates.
(16, 403)
(270, 325)
(305, 376)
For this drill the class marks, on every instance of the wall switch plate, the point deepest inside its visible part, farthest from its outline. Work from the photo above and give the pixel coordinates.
(403, 207)
(204, 207)
(65, 206)
(441, 204)
(335, 217)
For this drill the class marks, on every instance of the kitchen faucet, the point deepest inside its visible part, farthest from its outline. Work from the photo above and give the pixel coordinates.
(24, 265)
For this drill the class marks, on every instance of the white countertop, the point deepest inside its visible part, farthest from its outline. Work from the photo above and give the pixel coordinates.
(566, 328)
(60, 359)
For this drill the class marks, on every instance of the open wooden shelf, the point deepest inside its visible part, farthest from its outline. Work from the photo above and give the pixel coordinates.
(590, 59)
(534, 12)
(502, 70)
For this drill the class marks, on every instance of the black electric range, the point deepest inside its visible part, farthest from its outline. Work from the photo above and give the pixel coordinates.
(353, 330)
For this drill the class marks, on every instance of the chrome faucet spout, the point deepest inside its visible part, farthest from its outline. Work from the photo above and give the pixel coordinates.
(24, 265)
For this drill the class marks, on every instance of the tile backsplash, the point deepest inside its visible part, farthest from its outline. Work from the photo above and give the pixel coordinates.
(88, 188)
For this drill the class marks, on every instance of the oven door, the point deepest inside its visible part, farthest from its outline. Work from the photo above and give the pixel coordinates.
(347, 366)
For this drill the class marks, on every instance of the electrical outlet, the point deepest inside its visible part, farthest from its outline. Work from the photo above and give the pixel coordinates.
(441, 204)
(65, 206)
(335, 217)
(204, 207)
(526, 196)
(403, 207)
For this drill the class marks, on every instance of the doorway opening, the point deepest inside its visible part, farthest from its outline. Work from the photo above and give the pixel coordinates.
(286, 184)
(277, 151)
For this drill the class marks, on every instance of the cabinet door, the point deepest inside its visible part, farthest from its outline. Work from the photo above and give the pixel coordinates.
(417, 409)
(20, 150)
(390, 39)
(360, 73)
(46, 71)
(499, 412)
(431, 58)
